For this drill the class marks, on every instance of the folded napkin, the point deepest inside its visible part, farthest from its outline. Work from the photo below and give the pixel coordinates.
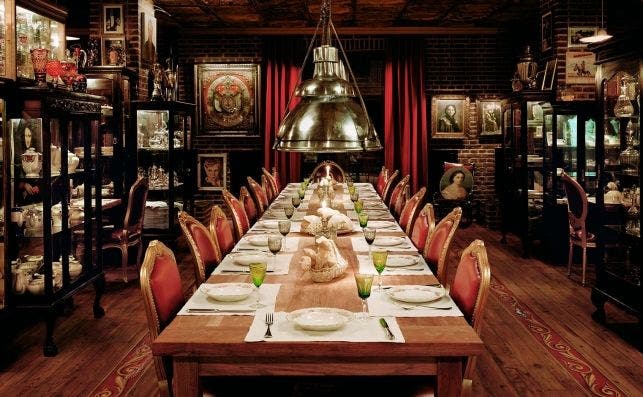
(278, 266)
(341, 221)
(381, 304)
(283, 330)
(199, 300)
(421, 268)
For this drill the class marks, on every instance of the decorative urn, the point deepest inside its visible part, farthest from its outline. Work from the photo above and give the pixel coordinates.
(31, 163)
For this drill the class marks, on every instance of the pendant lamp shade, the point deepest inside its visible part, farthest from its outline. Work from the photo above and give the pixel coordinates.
(600, 36)
(331, 116)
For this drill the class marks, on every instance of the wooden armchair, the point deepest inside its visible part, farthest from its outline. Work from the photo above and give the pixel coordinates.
(273, 180)
(249, 205)
(423, 226)
(388, 186)
(204, 248)
(239, 217)
(382, 178)
(396, 192)
(261, 199)
(222, 229)
(410, 210)
(328, 167)
(436, 249)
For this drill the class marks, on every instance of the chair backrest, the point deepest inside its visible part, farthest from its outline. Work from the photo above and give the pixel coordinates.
(222, 229)
(162, 297)
(270, 179)
(327, 167)
(239, 217)
(437, 243)
(388, 187)
(401, 200)
(261, 199)
(203, 246)
(249, 205)
(577, 205)
(268, 188)
(135, 214)
(397, 191)
(410, 210)
(277, 179)
(423, 226)
(470, 289)
(381, 181)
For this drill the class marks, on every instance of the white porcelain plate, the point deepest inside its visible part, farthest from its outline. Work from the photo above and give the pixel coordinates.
(320, 318)
(269, 224)
(381, 224)
(401, 260)
(245, 259)
(415, 293)
(227, 292)
(258, 240)
(389, 241)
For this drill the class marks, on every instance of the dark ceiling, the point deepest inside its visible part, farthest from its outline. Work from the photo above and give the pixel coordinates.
(373, 14)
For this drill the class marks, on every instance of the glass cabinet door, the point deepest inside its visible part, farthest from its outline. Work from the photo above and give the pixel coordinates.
(35, 31)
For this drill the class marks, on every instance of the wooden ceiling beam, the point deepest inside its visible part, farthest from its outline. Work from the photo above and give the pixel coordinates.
(356, 31)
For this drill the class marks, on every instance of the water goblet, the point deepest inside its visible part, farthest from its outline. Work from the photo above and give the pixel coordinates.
(363, 219)
(369, 236)
(379, 261)
(258, 274)
(302, 193)
(296, 201)
(364, 283)
(289, 210)
(354, 196)
(359, 205)
(284, 229)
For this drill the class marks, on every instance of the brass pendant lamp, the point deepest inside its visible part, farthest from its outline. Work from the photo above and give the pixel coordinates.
(601, 35)
(329, 118)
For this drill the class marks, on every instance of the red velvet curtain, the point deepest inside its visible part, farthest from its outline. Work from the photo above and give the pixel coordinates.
(405, 122)
(282, 70)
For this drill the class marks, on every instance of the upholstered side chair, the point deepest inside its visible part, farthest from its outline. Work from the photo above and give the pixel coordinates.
(396, 192)
(249, 205)
(239, 217)
(261, 199)
(328, 167)
(423, 226)
(268, 188)
(271, 179)
(381, 180)
(401, 201)
(222, 229)
(437, 245)
(203, 246)
(410, 210)
(388, 187)
(131, 234)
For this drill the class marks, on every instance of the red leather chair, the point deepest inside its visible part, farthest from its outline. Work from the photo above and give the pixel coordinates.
(401, 201)
(222, 229)
(381, 181)
(388, 187)
(268, 188)
(203, 246)
(410, 210)
(334, 170)
(396, 192)
(272, 181)
(239, 217)
(163, 298)
(249, 205)
(277, 179)
(130, 235)
(577, 207)
(423, 226)
(261, 199)
(437, 244)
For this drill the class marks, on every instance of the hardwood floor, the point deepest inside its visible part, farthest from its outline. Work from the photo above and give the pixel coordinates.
(531, 304)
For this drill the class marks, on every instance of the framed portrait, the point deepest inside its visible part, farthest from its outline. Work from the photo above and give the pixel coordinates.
(148, 37)
(227, 97)
(489, 116)
(456, 183)
(114, 51)
(547, 32)
(113, 19)
(212, 171)
(449, 116)
(580, 67)
(549, 75)
(574, 34)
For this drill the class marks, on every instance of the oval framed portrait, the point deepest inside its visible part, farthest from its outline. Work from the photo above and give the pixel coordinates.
(456, 183)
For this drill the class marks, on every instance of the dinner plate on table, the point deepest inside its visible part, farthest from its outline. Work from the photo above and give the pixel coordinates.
(245, 259)
(227, 292)
(268, 224)
(382, 225)
(401, 260)
(415, 293)
(320, 318)
(389, 241)
(259, 241)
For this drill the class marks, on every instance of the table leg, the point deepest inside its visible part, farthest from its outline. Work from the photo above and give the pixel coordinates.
(186, 377)
(449, 377)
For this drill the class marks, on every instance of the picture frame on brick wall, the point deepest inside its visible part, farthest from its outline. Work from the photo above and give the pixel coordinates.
(227, 97)
(580, 67)
(114, 51)
(547, 32)
(449, 116)
(113, 19)
(575, 33)
(212, 171)
(489, 117)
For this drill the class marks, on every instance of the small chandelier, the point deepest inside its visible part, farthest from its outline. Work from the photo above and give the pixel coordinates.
(328, 117)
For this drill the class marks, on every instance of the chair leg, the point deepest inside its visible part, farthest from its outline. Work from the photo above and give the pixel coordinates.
(139, 255)
(569, 260)
(584, 265)
(124, 260)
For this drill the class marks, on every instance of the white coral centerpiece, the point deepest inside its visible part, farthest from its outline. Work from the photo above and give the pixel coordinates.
(324, 264)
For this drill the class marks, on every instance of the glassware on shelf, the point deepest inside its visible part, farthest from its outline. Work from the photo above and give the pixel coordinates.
(39, 62)
(623, 106)
(630, 157)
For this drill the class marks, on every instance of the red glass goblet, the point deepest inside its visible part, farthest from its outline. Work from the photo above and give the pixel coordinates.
(69, 73)
(54, 70)
(39, 63)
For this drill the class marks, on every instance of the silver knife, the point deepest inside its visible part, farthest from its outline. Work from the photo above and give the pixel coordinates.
(384, 325)
(216, 310)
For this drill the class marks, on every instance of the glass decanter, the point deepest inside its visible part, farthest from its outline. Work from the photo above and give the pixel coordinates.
(630, 157)
(623, 106)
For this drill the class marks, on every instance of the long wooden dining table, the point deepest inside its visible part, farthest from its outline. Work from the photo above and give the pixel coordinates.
(213, 345)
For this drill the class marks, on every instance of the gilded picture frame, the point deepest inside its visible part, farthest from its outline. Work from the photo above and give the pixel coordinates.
(449, 116)
(113, 51)
(113, 19)
(212, 171)
(227, 97)
(490, 117)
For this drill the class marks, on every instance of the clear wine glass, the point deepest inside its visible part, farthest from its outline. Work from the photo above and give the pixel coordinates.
(258, 274)
(295, 201)
(369, 236)
(284, 229)
(289, 210)
(364, 283)
(379, 261)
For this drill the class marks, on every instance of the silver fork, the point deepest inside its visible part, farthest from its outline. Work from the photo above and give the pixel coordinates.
(269, 322)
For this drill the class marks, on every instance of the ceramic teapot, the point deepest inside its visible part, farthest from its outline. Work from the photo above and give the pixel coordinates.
(55, 160)
(31, 163)
(33, 218)
(72, 162)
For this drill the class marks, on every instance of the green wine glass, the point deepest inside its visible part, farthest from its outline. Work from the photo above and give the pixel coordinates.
(258, 274)
(351, 190)
(364, 283)
(359, 206)
(302, 193)
(363, 219)
(379, 261)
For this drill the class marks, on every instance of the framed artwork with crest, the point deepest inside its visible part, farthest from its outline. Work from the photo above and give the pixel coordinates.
(227, 97)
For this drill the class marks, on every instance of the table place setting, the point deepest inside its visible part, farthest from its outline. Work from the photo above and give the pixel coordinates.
(230, 299)
(321, 324)
(239, 262)
(398, 265)
(387, 226)
(388, 243)
(412, 301)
